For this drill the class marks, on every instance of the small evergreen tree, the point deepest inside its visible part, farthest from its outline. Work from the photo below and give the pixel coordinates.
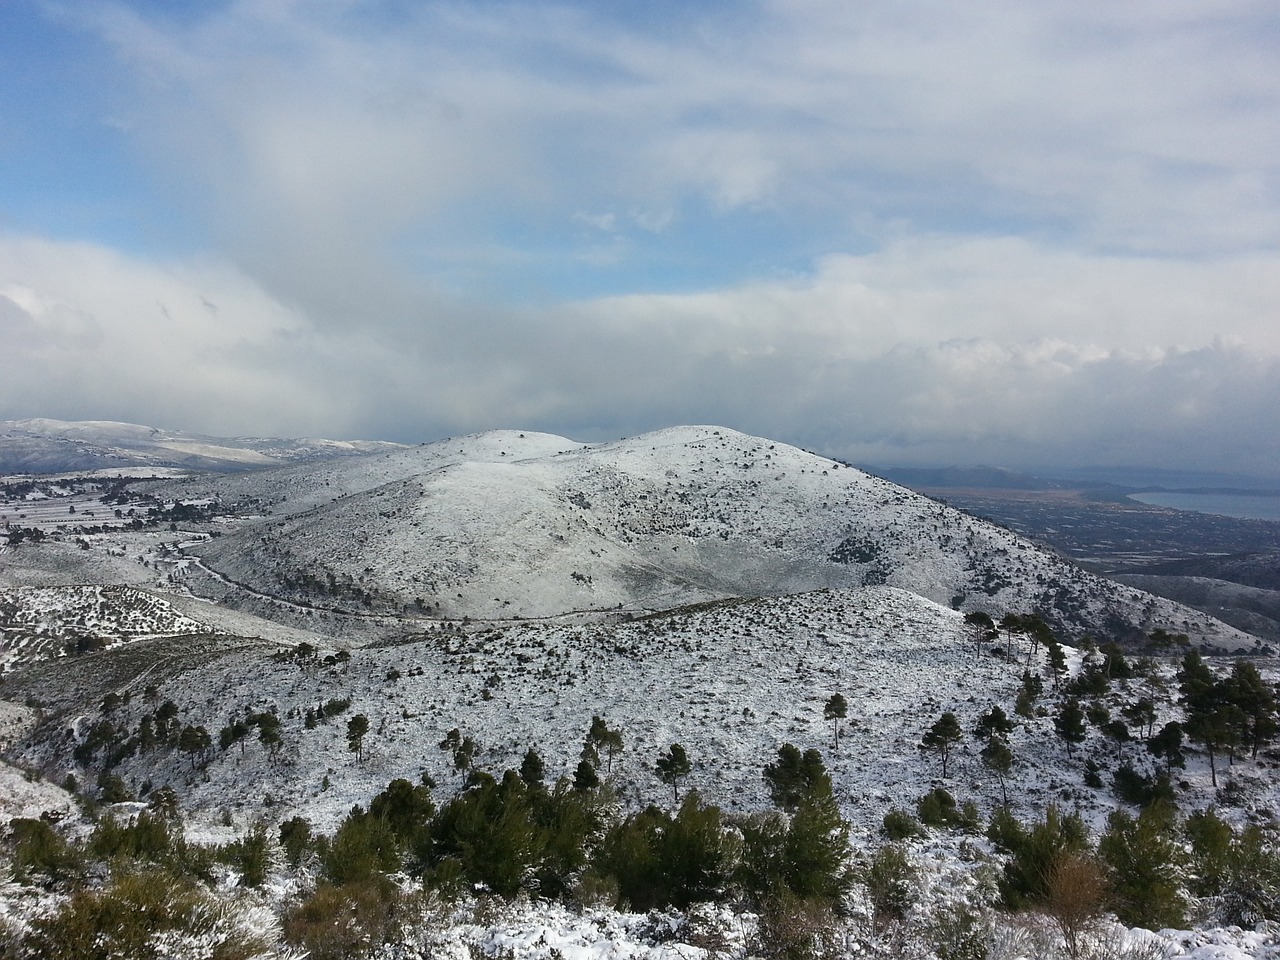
(1168, 744)
(1070, 724)
(585, 776)
(942, 737)
(794, 776)
(1145, 862)
(999, 760)
(673, 765)
(836, 709)
(532, 769)
(357, 727)
(995, 722)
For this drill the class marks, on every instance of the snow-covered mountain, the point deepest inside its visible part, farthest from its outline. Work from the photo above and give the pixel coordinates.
(505, 525)
(41, 446)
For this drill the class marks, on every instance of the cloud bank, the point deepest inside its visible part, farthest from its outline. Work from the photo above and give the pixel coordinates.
(991, 233)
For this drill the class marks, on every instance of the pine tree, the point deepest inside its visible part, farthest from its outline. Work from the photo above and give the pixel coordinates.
(995, 722)
(1168, 744)
(672, 766)
(793, 776)
(585, 776)
(941, 737)
(999, 760)
(357, 727)
(837, 709)
(532, 769)
(984, 628)
(1256, 702)
(1145, 861)
(1070, 725)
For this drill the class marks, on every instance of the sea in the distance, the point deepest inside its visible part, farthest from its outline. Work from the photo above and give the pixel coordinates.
(1241, 505)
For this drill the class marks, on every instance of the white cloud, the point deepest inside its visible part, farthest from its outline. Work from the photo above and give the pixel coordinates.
(927, 351)
(1048, 227)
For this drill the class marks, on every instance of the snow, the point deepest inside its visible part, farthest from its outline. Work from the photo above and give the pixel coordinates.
(567, 557)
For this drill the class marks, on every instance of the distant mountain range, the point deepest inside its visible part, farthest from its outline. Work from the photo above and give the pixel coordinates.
(57, 446)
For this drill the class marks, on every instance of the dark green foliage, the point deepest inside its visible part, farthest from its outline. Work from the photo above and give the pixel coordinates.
(234, 732)
(357, 727)
(1057, 662)
(406, 809)
(1092, 774)
(1168, 744)
(793, 776)
(148, 838)
(805, 855)
(268, 725)
(195, 741)
(1035, 854)
(1237, 875)
(1114, 664)
(658, 860)
(1140, 789)
(41, 855)
(673, 766)
(112, 789)
(363, 848)
(942, 737)
(485, 835)
(568, 820)
(900, 825)
(295, 839)
(1005, 830)
(998, 758)
(995, 722)
(532, 769)
(1142, 714)
(600, 737)
(891, 883)
(1144, 860)
(1069, 724)
(585, 776)
(937, 808)
(836, 709)
(984, 628)
(1255, 702)
(250, 855)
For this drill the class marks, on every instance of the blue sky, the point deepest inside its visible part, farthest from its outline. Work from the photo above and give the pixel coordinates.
(923, 232)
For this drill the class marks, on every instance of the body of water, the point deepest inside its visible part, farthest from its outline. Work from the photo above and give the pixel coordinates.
(1242, 505)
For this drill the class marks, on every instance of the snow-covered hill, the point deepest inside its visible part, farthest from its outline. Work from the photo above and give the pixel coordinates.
(503, 526)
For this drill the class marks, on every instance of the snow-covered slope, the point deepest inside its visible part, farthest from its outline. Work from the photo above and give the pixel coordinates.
(505, 526)
(58, 446)
(41, 622)
(730, 681)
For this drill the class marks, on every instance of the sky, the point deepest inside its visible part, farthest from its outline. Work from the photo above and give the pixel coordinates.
(1025, 235)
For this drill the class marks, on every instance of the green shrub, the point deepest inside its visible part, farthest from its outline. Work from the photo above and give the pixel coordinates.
(295, 839)
(900, 825)
(341, 922)
(658, 860)
(250, 856)
(1145, 862)
(891, 881)
(1035, 854)
(937, 808)
(41, 854)
(123, 921)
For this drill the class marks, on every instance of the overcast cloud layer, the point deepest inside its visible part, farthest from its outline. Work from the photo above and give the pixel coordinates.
(995, 232)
